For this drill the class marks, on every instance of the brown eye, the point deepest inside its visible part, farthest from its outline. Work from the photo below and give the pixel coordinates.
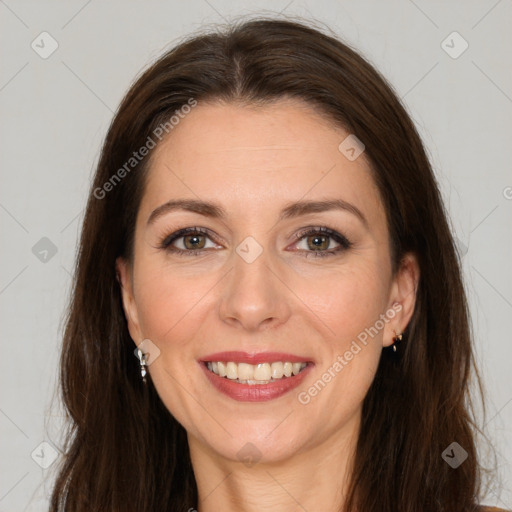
(316, 242)
(188, 241)
(194, 241)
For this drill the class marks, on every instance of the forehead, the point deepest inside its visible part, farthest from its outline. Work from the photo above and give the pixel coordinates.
(254, 159)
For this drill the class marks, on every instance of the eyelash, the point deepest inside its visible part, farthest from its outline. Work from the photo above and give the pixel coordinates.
(345, 244)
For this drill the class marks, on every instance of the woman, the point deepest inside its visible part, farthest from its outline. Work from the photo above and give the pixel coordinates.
(268, 311)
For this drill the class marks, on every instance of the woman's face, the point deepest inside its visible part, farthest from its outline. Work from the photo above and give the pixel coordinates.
(261, 282)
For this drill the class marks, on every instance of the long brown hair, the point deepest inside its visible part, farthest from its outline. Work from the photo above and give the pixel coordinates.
(124, 450)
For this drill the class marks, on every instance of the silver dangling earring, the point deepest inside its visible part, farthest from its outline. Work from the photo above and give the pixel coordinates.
(143, 365)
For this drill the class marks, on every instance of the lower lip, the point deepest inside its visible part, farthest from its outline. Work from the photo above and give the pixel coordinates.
(255, 392)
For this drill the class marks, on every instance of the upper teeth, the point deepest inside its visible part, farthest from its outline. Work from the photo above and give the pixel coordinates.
(262, 372)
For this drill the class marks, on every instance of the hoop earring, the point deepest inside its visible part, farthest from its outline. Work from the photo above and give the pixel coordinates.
(396, 340)
(143, 365)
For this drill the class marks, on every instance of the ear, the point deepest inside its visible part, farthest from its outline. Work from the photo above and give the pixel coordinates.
(125, 279)
(402, 298)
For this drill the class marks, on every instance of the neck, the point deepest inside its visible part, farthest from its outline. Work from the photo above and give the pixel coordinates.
(314, 478)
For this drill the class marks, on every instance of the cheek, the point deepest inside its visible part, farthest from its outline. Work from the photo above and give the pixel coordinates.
(168, 301)
(351, 305)
(348, 301)
(171, 308)
(348, 360)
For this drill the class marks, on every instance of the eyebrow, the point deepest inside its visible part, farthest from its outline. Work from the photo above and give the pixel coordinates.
(292, 210)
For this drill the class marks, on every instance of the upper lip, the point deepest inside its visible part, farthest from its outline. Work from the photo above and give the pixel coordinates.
(254, 358)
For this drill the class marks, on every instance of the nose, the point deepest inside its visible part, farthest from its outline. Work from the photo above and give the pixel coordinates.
(255, 297)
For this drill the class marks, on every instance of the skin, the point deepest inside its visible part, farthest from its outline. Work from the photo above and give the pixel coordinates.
(253, 162)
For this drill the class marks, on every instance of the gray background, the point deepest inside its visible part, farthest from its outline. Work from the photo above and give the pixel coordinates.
(55, 112)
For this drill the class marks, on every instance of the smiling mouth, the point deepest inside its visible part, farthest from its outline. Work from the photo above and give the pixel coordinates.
(254, 374)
